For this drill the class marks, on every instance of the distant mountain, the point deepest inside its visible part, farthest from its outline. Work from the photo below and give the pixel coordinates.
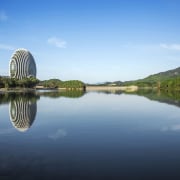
(152, 80)
(115, 83)
(164, 75)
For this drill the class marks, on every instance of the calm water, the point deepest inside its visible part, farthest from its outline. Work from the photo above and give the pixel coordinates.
(95, 135)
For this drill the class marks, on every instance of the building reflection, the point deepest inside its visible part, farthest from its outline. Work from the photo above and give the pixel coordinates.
(22, 111)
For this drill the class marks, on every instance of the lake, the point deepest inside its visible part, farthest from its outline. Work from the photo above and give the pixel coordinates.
(93, 135)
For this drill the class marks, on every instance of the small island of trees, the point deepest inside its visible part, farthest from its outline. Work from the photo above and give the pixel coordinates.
(56, 83)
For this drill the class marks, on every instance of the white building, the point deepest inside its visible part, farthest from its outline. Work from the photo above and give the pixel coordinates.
(22, 64)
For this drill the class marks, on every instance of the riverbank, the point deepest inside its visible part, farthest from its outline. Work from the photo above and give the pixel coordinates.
(23, 90)
(88, 88)
(112, 88)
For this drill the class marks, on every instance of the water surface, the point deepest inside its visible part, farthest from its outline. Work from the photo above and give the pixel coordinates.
(94, 135)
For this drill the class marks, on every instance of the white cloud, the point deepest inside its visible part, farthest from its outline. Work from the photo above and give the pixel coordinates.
(57, 42)
(3, 16)
(6, 47)
(170, 46)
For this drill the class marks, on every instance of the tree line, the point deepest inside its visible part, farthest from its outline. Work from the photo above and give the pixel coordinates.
(6, 82)
(56, 83)
(170, 83)
(173, 83)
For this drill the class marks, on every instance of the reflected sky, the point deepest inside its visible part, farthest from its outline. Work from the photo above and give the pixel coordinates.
(92, 136)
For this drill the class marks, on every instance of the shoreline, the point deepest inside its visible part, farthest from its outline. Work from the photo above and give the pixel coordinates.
(23, 90)
(112, 88)
(87, 89)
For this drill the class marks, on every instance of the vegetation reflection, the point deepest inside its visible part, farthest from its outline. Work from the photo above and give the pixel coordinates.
(164, 96)
(57, 94)
(23, 106)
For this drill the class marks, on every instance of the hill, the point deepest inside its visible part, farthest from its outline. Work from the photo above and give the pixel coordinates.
(152, 80)
(164, 75)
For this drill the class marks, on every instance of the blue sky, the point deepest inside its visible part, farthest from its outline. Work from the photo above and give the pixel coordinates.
(92, 40)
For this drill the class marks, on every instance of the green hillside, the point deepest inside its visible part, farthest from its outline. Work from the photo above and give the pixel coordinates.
(155, 79)
(174, 73)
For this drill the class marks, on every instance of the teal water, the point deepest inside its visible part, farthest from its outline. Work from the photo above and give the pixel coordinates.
(94, 135)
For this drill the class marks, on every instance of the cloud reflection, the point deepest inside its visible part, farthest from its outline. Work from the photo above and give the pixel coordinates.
(60, 133)
(175, 127)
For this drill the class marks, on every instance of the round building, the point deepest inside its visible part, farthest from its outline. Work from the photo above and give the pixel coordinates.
(22, 64)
